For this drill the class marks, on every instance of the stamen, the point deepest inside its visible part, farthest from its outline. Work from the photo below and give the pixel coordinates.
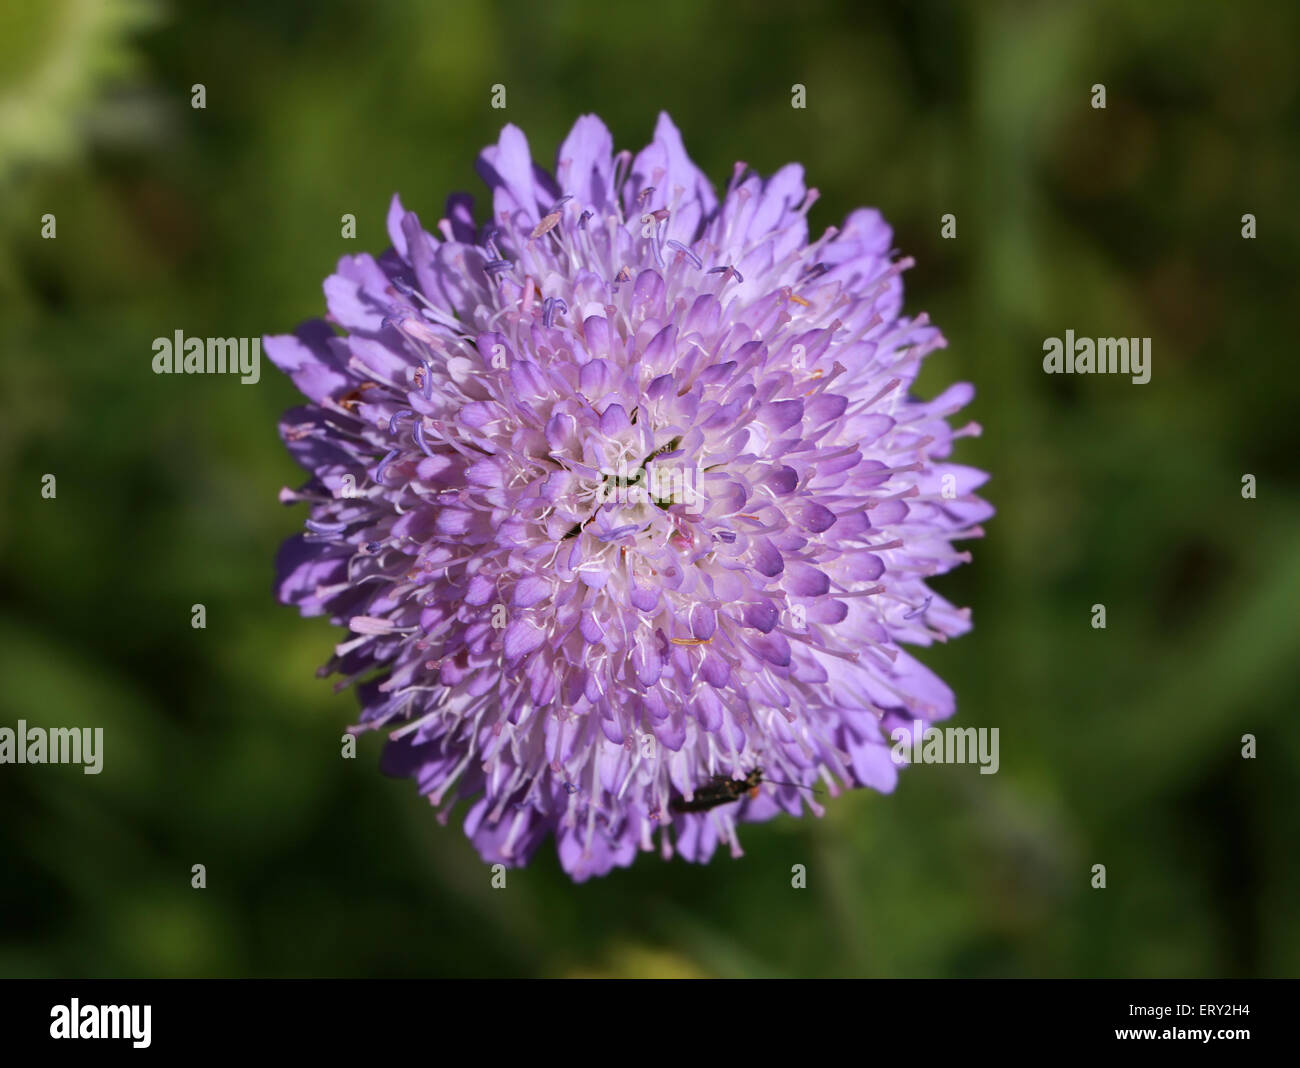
(919, 611)
(497, 266)
(548, 309)
(696, 262)
(719, 270)
(371, 625)
(654, 247)
(415, 329)
(419, 439)
(383, 464)
(621, 163)
(405, 413)
(548, 223)
(885, 390)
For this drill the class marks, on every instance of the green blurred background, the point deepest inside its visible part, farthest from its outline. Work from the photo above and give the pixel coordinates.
(1119, 746)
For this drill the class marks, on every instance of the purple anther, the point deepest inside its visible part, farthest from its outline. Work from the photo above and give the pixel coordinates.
(496, 266)
(383, 464)
(582, 219)
(419, 439)
(645, 194)
(560, 203)
(548, 309)
(695, 260)
(318, 527)
(405, 413)
(404, 288)
(919, 611)
(735, 273)
(373, 547)
(570, 789)
(728, 536)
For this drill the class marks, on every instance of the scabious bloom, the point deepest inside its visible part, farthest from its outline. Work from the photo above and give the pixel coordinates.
(624, 501)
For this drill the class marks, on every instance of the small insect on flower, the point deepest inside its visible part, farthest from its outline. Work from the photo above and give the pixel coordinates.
(620, 487)
(721, 790)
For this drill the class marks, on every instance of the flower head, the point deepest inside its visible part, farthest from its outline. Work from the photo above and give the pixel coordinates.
(624, 501)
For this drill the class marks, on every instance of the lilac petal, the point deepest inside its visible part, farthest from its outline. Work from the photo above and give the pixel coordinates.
(584, 165)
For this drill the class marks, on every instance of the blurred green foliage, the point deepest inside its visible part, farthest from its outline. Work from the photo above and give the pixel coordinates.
(1119, 747)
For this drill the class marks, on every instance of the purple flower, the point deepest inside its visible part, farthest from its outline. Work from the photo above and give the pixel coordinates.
(624, 502)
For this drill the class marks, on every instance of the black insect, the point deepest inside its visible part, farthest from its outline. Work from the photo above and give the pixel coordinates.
(721, 790)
